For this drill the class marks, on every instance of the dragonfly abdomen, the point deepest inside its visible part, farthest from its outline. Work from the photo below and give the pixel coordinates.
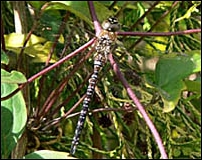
(102, 48)
(89, 93)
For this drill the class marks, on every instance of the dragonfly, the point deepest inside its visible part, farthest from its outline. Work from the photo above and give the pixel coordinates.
(103, 47)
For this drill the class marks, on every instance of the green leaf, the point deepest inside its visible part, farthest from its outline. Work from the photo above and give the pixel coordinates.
(4, 58)
(81, 9)
(16, 40)
(34, 47)
(102, 11)
(189, 12)
(47, 154)
(170, 69)
(50, 22)
(169, 74)
(39, 53)
(37, 4)
(194, 86)
(171, 95)
(13, 77)
(13, 118)
(195, 56)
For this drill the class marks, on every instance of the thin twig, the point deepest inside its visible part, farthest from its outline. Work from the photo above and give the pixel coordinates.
(139, 106)
(49, 68)
(94, 18)
(191, 31)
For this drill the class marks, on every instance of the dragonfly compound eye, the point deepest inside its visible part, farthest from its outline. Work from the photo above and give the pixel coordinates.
(111, 24)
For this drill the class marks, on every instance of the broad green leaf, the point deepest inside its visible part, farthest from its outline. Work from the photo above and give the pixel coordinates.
(13, 118)
(47, 154)
(8, 139)
(81, 9)
(102, 11)
(37, 4)
(170, 72)
(4, 58)
(34, 47)
(39, 53)
(194, 86)
(50, 22)
(13, 77)
(171, 94)
(195, 56)
(16, 40)
(170, 69)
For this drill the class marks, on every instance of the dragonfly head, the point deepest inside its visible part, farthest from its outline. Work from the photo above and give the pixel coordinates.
(111, 24)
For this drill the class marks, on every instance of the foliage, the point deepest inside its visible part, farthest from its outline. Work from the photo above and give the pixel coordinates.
(163, 72)
(13, 111)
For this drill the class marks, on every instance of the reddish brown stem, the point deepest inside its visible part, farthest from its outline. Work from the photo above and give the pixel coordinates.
(139, 106)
